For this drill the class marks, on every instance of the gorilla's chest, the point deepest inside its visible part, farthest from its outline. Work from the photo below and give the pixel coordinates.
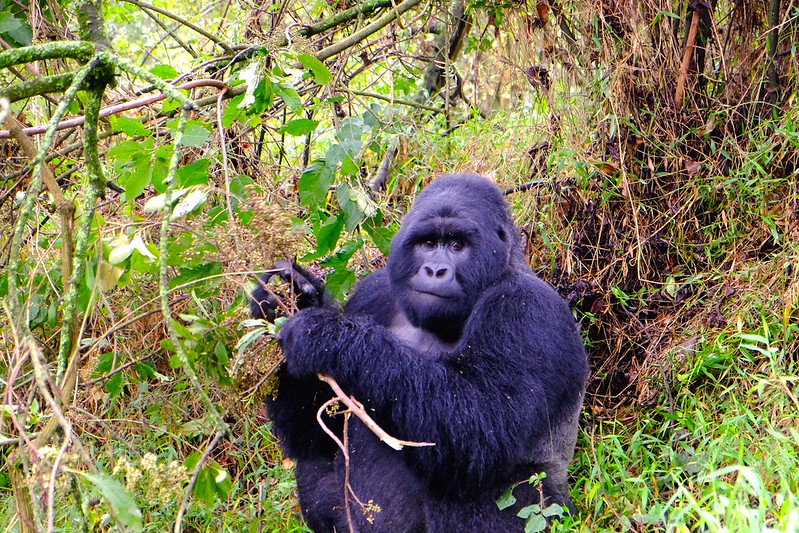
(418, 338)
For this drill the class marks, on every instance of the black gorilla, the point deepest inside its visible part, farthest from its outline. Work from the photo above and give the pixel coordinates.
(455, 342)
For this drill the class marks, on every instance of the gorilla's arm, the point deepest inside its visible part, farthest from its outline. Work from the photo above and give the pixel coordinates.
(490, 406)
(293, 408)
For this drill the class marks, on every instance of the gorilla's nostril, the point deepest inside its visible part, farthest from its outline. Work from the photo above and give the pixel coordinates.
(441, 272)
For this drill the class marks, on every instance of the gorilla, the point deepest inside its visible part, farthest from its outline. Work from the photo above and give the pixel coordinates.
(454, 342)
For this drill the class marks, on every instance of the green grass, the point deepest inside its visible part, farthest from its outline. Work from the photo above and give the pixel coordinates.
(726, 458)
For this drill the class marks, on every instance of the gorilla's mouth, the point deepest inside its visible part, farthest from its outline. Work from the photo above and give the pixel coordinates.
(428, 294)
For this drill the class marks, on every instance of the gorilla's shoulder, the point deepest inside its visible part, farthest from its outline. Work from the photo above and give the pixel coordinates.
(529, 297)
(373, 297)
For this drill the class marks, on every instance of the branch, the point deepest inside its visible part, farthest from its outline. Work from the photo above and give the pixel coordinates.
(33, 188)
(114, 109)
(213, 38)
(95, 187)
(365, 32)
(366, 8)
(66, 209)
(38, 86)
(358, 411)
(163, 281)
(80, 50)
(690, 42)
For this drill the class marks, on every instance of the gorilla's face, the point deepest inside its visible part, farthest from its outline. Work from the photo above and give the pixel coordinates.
(448, 251)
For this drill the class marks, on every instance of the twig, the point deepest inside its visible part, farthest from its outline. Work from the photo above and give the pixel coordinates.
(194, 474)
(679, 93)
(163, 282)
(118, 108)
(358, 411)
(344, 447)
(213, 38)
(365, 32)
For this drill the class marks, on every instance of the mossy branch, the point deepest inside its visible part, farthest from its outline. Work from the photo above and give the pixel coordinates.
(163, 284)
(38, 86)
(94, 189)
(366, 31)
(83, 51)
(33, 191)
(151, 78)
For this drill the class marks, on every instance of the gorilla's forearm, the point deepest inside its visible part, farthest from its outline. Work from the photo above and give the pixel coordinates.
(482, 426)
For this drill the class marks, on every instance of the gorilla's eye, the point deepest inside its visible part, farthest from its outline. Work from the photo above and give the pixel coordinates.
(457, 245)
(428, 244)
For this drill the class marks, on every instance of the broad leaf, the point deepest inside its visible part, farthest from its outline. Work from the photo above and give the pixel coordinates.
(120, 501)
(299, 127)
(321, 74)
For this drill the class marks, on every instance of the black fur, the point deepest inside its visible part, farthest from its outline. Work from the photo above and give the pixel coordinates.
(490, 367)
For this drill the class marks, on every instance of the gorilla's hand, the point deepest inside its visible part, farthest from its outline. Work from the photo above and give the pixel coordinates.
(308, 289)
(309, 340)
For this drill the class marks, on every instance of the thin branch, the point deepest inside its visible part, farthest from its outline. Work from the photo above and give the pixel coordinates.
(365, 32)
(163, 282)
(358, 411)
(171, 33)
(397, 101)
(118, 108)
(194, 475)
(210, 36)
(33, 188)
(682, 78)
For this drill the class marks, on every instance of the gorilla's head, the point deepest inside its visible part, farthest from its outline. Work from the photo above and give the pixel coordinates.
(457, 240)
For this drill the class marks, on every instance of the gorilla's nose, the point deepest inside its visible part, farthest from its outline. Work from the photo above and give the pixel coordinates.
(439, 272)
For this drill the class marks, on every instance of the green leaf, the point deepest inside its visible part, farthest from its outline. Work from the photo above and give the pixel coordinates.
(165, 72)
(327, 234)
(120, 501)
(381, 235)
(299, 127)
(170, 104)
(314, 184)
(15, 28)
(349, 167)
(129, 126)
(194, 174)
(233, 112)
(506, 500)
(113, 385)
(188, 274)
(321, 74)
(289, 96)
(137, 181)
(535, 524)
(340, 282)
(356, 204)
(195, 134)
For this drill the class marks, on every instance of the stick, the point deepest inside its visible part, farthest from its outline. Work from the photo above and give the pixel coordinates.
(358, 411)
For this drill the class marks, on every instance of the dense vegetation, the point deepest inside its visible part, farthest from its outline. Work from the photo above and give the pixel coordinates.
(154, 157)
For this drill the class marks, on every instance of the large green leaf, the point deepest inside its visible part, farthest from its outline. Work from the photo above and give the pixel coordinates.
(321, 74)
(314, 184)
(299, 127)
(120, 501)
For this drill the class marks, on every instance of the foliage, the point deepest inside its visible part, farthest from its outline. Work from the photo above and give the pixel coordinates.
(649, 149)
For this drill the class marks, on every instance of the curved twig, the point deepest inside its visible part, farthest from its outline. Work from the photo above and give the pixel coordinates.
(359, 411)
